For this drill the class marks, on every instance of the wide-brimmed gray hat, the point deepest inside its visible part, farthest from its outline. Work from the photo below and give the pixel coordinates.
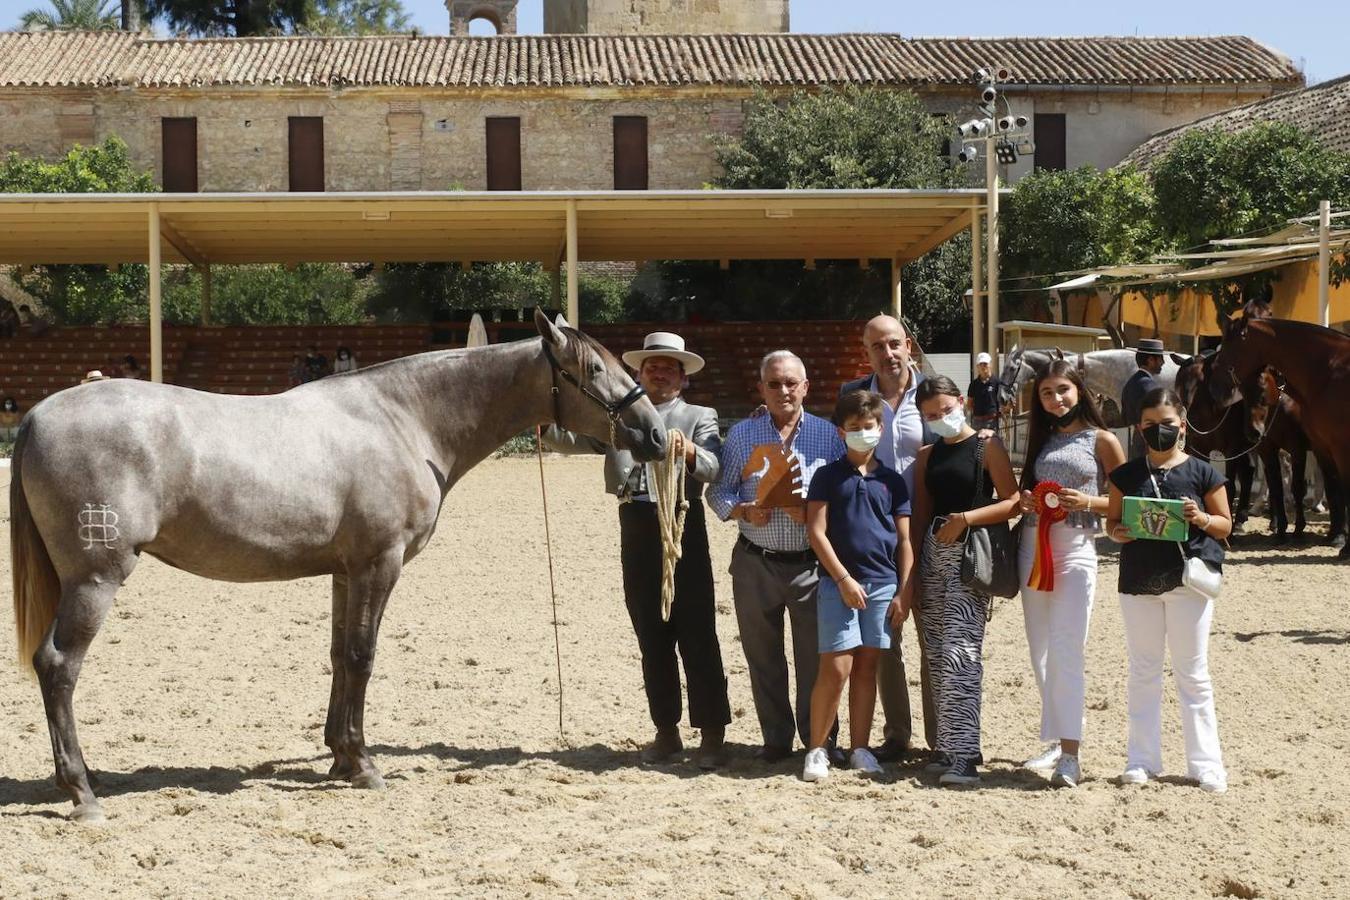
(664, 343)
(1151, 347)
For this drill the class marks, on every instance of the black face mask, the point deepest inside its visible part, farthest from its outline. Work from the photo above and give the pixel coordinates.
(1161, 437)
(1061, 421)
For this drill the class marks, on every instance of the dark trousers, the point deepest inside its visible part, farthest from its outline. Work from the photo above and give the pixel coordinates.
(893, 686)
(692, 629)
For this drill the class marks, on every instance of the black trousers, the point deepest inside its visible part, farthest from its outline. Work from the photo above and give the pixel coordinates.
(692, 629)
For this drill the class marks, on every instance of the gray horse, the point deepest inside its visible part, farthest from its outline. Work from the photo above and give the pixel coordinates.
(342, 477)
(1104, 373)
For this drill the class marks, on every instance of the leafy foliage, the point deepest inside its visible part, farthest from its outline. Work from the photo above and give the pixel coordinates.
(418, 292)
(238, 18)
(74, 15)
(309, 294)
(358, 17)
(103, 168)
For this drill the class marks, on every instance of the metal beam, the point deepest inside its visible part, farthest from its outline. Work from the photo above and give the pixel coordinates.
(156, 335)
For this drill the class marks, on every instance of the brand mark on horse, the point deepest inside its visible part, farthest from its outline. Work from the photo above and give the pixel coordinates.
(98, 525)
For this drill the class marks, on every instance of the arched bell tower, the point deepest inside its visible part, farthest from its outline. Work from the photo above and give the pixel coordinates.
(665, 16)
(501, 13)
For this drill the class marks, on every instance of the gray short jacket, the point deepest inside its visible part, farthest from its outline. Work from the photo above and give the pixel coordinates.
(696, 422)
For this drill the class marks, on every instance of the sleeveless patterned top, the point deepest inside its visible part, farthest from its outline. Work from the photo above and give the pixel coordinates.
(1071, 460)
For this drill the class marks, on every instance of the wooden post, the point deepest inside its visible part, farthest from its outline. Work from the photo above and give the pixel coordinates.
(573, 303)
(976, 286)
(991, 263)
(156, 337)
(1324, 263)
(206, 296)
(897, 304)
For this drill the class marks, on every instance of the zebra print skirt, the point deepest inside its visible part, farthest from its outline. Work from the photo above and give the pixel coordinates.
(953, 620)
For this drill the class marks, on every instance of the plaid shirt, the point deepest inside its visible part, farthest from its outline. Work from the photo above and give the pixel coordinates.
(816, 443)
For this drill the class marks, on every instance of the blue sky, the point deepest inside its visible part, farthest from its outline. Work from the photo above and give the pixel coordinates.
(1313, 34)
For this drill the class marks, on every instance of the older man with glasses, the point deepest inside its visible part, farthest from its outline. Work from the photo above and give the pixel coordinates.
(767, 464)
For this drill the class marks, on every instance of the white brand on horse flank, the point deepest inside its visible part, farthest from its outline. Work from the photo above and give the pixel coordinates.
(98, 525)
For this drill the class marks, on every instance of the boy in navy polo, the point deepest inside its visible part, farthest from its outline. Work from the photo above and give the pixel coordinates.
(857, 519)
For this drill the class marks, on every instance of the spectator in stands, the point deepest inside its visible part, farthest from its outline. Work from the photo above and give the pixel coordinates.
(9, 319)
(298, 374)
(316, 364)
(9, 419)
(93, 375)
(131, 368)
(345, 361)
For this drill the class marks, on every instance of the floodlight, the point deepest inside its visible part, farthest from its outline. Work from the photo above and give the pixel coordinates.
(1026, 147)
(980, 75)
(988, 95)
(969, 153)
(1005, 153)
(1021, 121)
(1002, 74)
(1006, 123)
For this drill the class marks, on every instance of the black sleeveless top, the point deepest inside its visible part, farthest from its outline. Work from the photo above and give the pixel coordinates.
(950, 477)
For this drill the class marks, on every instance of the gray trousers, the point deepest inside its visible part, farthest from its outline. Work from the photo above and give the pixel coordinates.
(763, 590)
(893, 686)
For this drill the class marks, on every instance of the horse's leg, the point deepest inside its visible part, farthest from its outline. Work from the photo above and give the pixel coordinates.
(337, 696)
(57, 661)
(1335, 493)
(368, 591)
(1298, 486)
(1279, 519)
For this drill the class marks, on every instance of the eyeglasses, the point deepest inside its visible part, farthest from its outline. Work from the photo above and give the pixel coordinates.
(790, 386)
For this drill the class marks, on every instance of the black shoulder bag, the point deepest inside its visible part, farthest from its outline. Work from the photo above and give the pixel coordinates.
(989, 555)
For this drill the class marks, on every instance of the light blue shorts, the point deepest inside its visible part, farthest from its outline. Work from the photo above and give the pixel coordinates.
(840, 627)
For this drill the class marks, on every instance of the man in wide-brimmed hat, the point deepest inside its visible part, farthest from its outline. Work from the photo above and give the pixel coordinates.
(662, 366)
(1149, 357)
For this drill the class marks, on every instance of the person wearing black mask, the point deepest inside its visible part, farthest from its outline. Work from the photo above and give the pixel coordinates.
(1160, 610)
(1149, 357)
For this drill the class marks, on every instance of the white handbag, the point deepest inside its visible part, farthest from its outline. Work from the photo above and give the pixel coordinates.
(1196, 574)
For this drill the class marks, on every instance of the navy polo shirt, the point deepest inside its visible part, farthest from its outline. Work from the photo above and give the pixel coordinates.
(860, 517)
(984, 396)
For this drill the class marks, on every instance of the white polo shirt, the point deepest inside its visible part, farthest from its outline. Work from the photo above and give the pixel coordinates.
(901, 431)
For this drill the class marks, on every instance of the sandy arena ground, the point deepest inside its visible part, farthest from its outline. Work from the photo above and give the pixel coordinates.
(202, 707)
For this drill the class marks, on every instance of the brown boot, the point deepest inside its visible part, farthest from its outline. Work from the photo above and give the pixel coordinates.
(712, 752)
(666, 744)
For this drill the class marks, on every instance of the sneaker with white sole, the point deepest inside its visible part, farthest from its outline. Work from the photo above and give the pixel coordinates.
(1135, 775)
(939, 763)
(863, 760)
(961, 772)
(1047, 758)
(1067, 772)
(817, 766)
(1214, 782)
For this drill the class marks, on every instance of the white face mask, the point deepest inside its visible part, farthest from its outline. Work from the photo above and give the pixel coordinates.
(950, 425)
(862, 440)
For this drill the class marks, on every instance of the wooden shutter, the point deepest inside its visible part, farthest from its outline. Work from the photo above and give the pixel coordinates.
(1050, 140)
(178, 140)
(630, 153)
(503, 153)
(306, 153)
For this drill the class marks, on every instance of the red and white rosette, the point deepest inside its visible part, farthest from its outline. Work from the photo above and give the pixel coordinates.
(1049, 510)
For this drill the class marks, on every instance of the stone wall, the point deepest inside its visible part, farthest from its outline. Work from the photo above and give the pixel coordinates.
(665, 16)
(435, 140)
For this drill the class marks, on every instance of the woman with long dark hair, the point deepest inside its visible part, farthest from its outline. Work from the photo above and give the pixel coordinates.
(1070, 452)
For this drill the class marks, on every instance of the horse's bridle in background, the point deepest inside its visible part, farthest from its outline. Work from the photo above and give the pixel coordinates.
(612, 410)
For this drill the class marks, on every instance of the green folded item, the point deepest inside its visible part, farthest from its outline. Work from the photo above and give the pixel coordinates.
(1151, 519)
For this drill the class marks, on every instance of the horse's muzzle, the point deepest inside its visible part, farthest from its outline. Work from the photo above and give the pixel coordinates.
(646, 445)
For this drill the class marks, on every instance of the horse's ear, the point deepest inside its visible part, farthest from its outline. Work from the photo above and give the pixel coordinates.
(1059, 354)
(1180, 360)
(561, 321)
(547, 330)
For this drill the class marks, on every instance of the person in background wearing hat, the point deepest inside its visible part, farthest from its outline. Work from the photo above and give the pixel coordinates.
(1149, 357)
(93, 375)
(662, 367)
(982, 398)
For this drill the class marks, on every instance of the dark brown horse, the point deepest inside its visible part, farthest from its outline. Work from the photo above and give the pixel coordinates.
(1211, 428)
(1315, 364)
(1280, 420)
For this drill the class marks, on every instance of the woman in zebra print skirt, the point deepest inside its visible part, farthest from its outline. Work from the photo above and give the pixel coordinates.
(951, 616)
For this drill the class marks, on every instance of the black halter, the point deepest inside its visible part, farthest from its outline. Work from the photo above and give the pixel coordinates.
(612, 410)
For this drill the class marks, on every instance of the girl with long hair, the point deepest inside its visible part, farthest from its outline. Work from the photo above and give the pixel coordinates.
(1070, 452)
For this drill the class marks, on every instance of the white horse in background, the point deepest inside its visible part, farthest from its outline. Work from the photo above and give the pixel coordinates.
(1104, 373)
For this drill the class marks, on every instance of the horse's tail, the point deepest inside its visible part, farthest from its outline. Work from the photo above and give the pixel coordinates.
(37, 589)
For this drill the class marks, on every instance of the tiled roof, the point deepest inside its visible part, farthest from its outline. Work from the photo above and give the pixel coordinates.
(120, 58)
(1323, 109)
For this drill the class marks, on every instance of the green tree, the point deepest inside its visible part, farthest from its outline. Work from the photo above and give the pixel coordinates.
(308, 294)
(74, 15)
(358, 17)
(1061, 221)
(238, 18)
(849, 138)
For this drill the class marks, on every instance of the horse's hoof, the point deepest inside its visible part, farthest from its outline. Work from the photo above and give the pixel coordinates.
(341, 770)
(88, 814)
(368, 781)
(1337, 541)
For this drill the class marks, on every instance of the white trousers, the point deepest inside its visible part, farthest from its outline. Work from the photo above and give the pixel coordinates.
(1057, 626)
(1177, 621)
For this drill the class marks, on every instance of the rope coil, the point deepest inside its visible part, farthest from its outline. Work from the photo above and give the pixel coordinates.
(667, 489)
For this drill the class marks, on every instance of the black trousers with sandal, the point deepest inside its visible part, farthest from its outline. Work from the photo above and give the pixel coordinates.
(692, 629)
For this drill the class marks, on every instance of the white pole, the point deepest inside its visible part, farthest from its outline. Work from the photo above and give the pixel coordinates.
(897, 306)
(156, 338)
(573, 303)
(976, 287)
(991, 265)
(1324, 264)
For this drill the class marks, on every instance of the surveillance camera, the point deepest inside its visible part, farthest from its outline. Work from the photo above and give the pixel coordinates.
(1002, 74)
(980, 75)
(968, 153)
(1022, 121)
(988, 95)
(1006, 123)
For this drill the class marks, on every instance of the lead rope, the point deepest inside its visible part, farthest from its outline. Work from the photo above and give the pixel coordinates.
(671, 507)
(552, 588)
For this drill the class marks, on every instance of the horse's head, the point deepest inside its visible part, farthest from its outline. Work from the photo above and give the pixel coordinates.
(594, 395)
(1237, 362)
(1191, 372)
(1015, 374)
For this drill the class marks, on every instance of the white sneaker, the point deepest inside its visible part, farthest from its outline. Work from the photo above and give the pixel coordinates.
(1214, 782)
(1046, 760)
(817, 766)
(1135, 775)
(864, 761)
(1067, 772)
